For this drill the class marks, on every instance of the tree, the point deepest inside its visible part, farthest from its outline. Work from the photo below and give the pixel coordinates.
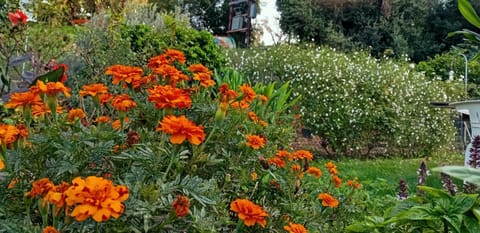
(417, 28)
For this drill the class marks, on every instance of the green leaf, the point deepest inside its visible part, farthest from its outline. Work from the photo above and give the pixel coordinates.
(468, 12)
(418, 213)
(467, 174)
(462, 203)
(476, 212)
(52, 76)
(434, 192)
(471, 224)
(455, 221)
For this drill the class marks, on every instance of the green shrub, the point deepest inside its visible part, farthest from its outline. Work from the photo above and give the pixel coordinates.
(451, 65)
(356, 102)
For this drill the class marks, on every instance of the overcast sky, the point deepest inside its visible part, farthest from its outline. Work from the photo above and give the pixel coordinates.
(270, 13)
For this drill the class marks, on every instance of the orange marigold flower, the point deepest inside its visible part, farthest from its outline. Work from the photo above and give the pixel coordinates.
(353, 183)
(255, 141)
(76, 113)
(332, 168)
(227, 94)
(17, 17)
(116, 124)
(169, 97)
(123, 73)
(263, 99)
(103, 119)
(263, 123)
(181, 206)
(50, 88)
(181, 129)
(328, 200)
(202, 74)
(123, 103)
(253, 117)
(254, 176)
(295, 228)
(40, 188)
(50, 229)
(248, 92)
(315, 171)
(8, 134)
(168, 57)
(95, 197)
(282, 154)
(277, 161)
(23, 99)
(93, 89)
(105, 98)
(295, 168)
(41, 109)
(301, 154)
(240, 104)
(56, 196)
(12, 183)
(337, 181)
(249, 212)
(171, 74)
(2, 164)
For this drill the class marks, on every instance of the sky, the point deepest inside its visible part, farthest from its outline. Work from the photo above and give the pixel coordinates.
(268, 13)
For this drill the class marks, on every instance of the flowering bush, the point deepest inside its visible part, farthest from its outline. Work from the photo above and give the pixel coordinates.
(358, 103)
(190, 152)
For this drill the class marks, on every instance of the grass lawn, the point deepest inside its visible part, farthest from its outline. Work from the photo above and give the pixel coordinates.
(381, 177)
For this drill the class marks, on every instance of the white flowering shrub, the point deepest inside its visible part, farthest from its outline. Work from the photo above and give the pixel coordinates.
(358, 103)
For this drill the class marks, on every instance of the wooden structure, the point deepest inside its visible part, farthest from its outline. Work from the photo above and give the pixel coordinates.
(240, 19)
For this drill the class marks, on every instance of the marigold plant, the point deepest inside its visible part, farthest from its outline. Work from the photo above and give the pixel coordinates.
(249, 212)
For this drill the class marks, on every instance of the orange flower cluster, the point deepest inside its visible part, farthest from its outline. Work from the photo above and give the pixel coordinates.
(171, 74)
(95, 197)
(181, 129)
(121, 73)
(181, 206)
(249, 212)
(353, 183)
(23, 99)
(9, 134)
(169, 97)
(202, 74)
(337, 181)
(123, 103)
(315, 171)
(256, 142)
(2, 164)
(328, 200)
(332, 168)
(168, 57)
(76, 113)
(300, 155)
(50, 229)
(95, 89)
(50, 88)
(248, 95)
(295, 228)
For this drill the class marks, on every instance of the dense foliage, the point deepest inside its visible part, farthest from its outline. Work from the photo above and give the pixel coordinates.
(415, 28)
(358, 103)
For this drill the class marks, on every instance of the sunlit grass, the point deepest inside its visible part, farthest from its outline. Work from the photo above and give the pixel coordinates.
(380, 177)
